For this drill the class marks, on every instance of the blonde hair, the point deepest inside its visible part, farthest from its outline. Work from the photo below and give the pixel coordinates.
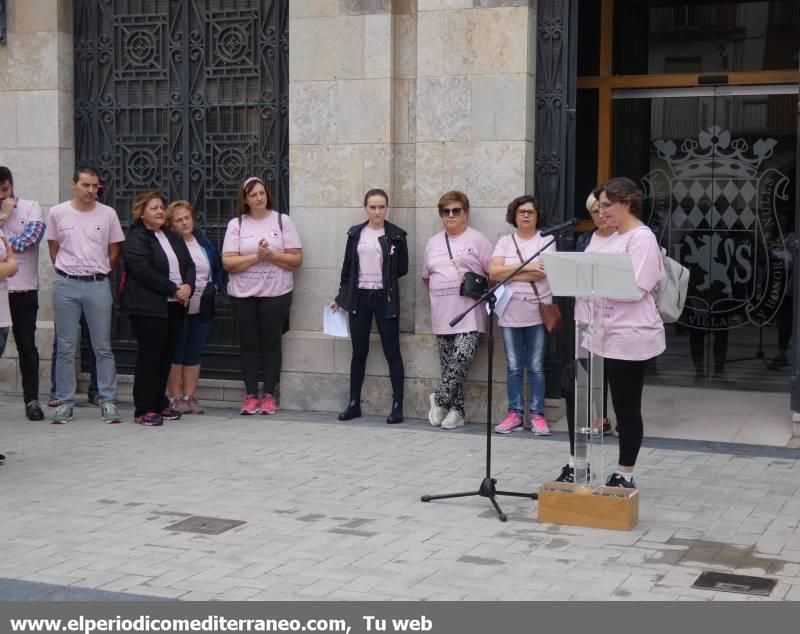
(174, 205)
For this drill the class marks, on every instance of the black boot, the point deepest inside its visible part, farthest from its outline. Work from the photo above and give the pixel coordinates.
(353, 410)
(397, 412)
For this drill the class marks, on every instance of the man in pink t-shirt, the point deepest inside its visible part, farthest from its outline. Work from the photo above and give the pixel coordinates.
(22, 222)
(84, 238)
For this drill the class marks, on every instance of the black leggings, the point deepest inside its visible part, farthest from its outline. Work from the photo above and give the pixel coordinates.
(625, 379)
(626, 382)
(371, 303)
(260, 321)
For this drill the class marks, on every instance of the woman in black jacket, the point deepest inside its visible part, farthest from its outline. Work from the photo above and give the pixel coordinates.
(159, 280)
(375, 258)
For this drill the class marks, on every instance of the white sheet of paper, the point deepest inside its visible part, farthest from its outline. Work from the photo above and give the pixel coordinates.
(503, 296)
(334, 322)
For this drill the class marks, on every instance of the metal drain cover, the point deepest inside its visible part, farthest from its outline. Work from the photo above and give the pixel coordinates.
(743, 584)
(204, 525)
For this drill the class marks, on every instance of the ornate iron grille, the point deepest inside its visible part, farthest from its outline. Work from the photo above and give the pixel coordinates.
(189, 97)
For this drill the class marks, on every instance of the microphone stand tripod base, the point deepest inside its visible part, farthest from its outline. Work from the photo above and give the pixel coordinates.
(487, 490)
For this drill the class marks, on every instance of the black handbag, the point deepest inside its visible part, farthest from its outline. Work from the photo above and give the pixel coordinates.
(472, 285)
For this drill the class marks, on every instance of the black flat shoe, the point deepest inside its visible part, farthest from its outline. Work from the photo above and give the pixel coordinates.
(397, 413)
(352, 411)
(34, 411)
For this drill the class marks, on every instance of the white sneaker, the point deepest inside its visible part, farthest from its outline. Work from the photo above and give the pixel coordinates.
(436, 414)
(452, 420)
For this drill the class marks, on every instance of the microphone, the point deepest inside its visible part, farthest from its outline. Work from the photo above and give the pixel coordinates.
(559, 228)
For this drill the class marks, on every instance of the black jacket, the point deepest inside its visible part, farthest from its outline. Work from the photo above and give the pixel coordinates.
(219, 278)
(146, 273)
(395, 265)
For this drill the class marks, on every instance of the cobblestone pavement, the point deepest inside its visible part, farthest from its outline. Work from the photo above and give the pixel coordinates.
(332, 511)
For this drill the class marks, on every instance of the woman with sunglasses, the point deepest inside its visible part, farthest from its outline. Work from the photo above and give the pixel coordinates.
(449, 254)
(260, 252)
(375, 258)
(521, 322)
(633, 330)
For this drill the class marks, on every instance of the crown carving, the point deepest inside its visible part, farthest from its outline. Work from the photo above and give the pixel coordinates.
(714, 152)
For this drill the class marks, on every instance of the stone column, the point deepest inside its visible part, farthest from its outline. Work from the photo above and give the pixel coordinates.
(36, 114)
(419, 98)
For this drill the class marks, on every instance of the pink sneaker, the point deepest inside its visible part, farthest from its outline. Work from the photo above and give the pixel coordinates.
(512, 421)
(181, 405)
(250, 406)
(268, 405)
(539, 425)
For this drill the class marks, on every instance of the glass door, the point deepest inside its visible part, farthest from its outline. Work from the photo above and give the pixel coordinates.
(718, 166)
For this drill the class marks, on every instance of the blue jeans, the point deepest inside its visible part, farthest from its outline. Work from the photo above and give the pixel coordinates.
(525, 350)
(92, 391)
(191, 341)
(71, 298)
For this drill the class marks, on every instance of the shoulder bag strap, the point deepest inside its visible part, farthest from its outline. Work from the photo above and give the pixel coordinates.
(521, 260)
(450, 253)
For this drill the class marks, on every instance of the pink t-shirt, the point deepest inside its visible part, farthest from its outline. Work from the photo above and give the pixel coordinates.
(597, 244)
(471, 252)
(633, 331)
(370, 258)
(523, 310)
(263, 279)
(83, 237)
(5, 311)
(202, 270)
(174, 265)
(27, 277)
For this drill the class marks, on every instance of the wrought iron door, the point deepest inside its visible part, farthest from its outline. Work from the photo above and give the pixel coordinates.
(189, 97)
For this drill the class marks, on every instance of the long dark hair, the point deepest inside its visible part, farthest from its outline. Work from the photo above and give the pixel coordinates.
(247, 186)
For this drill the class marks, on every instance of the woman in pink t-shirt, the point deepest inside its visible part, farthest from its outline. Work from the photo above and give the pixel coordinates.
(261, 250)
(375, 258)
(449, 254)
(8, 267)
(524, 334)
(633, 330)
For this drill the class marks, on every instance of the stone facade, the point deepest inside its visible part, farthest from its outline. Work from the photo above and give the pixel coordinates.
(37, 140)
(417, 97)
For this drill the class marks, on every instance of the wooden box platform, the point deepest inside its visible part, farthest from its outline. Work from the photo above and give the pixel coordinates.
(577, 505)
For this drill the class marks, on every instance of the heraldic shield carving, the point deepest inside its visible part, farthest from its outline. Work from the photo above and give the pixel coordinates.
(714, 210)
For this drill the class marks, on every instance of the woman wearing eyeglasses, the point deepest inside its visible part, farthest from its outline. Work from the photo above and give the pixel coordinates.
(449, 254)
(375, 258)
(633, 330)
(521, 323)
(592, 241)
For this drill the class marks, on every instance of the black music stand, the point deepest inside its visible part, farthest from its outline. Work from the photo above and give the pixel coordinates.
(488, 487)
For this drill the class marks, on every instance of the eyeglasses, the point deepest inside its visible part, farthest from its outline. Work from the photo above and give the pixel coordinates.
(526, 212)
(450, 211)
(601, 206)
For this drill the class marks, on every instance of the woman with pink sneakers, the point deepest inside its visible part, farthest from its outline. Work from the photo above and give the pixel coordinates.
(261, 250)
(524, 334)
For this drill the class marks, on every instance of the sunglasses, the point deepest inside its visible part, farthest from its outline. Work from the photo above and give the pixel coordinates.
(450, 211)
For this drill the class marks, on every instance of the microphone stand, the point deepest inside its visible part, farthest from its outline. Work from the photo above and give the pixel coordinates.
(488, 487)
